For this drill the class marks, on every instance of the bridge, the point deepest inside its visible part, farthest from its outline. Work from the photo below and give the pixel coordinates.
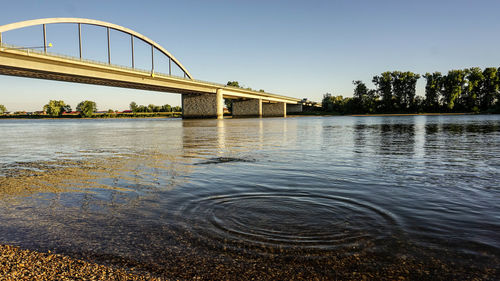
(200, 99)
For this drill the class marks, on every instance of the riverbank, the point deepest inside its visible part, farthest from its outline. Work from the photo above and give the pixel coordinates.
(98, 115)
(413, 114)
(19, 264)
(322, 113)
(179, 115)
(22, 264)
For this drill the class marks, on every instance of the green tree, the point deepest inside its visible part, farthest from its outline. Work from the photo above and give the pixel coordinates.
(453, 85)
(3, 109)
(497, 96)
(364, 100)
(133, 106)
(489, 90)
(404, 90)
(419, 105)
(326, 103)
(410, 89)
(371, 101)
(398, 90)
(154, 108)
(233, 84)
(472, 90)
(166, 108)
(360, 90)
(229, 104)
(337, 104)
(384, 89)
(177, 109)
(433, 90)
(56, 108)
(347, 106)
(87, 108)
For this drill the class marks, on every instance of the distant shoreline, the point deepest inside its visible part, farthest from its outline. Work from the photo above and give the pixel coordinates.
(98, 116)
(179, 115)
(411, 114)
(317, 113)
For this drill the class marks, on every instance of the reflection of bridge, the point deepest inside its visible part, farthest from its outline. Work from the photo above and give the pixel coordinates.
(199, 98)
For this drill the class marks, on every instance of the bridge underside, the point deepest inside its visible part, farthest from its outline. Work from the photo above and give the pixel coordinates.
(37, 74)
(34, 65)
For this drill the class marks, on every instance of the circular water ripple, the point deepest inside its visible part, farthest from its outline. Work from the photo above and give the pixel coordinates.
(286, 221)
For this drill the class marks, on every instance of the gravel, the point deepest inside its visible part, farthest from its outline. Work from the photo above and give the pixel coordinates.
(19, 264)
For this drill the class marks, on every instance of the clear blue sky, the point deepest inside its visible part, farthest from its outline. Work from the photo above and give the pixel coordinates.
(294, 48)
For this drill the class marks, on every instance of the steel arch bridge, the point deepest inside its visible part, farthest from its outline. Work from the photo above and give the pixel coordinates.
(200, 99)
(108, 26)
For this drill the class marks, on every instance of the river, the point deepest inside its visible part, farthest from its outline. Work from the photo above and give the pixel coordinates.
(271, 198)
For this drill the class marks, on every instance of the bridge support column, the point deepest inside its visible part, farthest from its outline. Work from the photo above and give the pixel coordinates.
(247, 108)
(203, 105)
(274, 109)
(293, 108)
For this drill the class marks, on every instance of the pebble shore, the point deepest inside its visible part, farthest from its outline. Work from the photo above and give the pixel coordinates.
(22, 264)
(19, 264)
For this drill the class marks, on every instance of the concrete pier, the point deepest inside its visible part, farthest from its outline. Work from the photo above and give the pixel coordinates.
(294, 108)
(274, 109)
(203, 105)
(247, 108)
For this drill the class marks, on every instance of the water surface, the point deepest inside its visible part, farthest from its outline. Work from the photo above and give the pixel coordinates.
(272, 198)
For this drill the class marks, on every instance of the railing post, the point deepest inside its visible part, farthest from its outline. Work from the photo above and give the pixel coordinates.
(169, 66)
(132, 44)
(152, 59)
(44, 39)
(80, 38)
(109, 49)
(0, 38)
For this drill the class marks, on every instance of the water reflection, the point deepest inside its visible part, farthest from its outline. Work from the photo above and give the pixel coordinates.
(397, 138)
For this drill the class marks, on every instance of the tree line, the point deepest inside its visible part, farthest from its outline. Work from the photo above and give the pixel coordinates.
(89, 108)
(154, 108)
(58, 107)
(466, 90)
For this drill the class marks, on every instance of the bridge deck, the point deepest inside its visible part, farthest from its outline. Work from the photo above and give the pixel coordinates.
(41, 65)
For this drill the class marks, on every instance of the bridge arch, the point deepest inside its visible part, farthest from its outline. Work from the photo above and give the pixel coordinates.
(44, 21)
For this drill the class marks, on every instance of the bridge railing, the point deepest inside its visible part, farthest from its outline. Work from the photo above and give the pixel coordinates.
(4, 46)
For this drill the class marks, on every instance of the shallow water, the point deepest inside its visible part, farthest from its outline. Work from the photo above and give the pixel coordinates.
(272, 198)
